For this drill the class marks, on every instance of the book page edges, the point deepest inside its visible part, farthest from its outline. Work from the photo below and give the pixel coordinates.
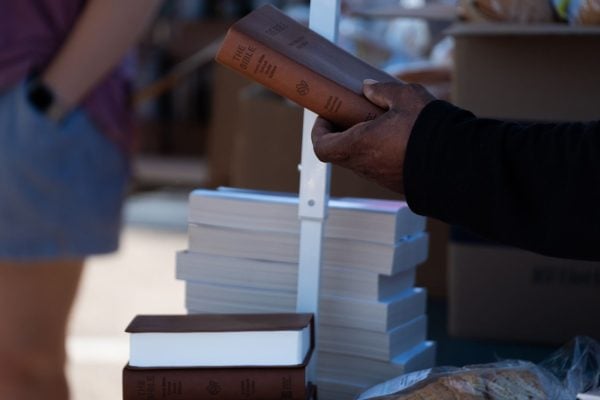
(214, 349)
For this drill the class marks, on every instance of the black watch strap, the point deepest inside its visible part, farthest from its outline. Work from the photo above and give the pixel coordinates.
(43, 99)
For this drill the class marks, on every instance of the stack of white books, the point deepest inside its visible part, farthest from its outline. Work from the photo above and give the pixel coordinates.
(243, 258)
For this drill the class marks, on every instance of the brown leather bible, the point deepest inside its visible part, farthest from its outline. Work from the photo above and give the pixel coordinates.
(251, 383)
(271, 48)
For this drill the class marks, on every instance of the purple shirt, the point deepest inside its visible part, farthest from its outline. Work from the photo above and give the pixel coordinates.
(32, 31)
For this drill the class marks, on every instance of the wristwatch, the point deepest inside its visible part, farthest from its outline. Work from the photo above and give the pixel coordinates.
(43, 99)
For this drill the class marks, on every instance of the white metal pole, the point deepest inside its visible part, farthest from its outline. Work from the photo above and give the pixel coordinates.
(314, 188)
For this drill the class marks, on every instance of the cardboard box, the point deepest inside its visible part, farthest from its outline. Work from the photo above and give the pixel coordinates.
(433, 273)
(529, 72)
(266, 142)
(509, 294)
(532, 73)
(224, 121)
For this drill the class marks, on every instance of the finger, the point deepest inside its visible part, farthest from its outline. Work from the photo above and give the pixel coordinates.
(320, 128)
(382, 94)
(332, 146)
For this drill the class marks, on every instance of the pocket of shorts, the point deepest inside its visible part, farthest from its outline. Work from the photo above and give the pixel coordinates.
(38, 134)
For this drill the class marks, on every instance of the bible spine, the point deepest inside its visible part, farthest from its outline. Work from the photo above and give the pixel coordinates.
(264, 383)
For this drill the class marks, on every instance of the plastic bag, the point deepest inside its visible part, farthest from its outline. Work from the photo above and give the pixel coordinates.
(573, 369)
(576, 365)
(579, 12)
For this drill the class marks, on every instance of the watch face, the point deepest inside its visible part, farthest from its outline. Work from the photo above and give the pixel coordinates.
(40, 97)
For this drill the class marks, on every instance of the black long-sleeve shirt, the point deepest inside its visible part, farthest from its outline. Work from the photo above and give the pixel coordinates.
(534, 186)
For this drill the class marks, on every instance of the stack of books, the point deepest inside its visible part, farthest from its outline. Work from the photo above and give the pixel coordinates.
(243, 258)
(221, 357)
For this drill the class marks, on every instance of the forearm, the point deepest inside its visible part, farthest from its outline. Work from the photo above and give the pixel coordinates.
(533, 186)
(102, 35)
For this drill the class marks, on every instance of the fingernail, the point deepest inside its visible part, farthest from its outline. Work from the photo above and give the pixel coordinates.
(369, 81)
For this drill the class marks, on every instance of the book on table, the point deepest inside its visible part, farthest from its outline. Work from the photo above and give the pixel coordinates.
(219, 356)
(212, 340)
(375, 220)
(368, 371)
(378, 316)
(273, 275)
(258, 244)
(383, 346)
(217, 383)
(591, 395)
(295, 62)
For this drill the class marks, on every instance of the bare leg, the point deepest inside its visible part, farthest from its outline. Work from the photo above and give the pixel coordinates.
(35, 302)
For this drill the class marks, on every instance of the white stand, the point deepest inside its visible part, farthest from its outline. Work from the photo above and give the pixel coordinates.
(314, 188)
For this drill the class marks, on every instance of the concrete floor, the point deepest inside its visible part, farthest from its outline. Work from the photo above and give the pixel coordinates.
(138, 279)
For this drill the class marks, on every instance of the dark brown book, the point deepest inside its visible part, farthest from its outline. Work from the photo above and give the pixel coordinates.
(271, 48)
(263, 383)
(217, 340)
(219, 322)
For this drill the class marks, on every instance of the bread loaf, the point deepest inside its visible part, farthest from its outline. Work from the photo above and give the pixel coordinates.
(484, 384)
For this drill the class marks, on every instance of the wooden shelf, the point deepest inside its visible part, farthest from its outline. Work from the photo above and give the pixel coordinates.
(432, 11)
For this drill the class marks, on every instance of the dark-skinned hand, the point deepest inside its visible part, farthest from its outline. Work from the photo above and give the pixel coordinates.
(375, 149)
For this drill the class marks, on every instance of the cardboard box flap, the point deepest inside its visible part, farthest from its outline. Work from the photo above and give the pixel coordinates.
(507, 29)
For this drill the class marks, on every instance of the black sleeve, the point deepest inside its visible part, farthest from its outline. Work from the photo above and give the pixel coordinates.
(534, 186)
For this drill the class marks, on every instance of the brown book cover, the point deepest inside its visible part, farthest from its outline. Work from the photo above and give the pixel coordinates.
(265, 383)
(219, 322)
(273, 49)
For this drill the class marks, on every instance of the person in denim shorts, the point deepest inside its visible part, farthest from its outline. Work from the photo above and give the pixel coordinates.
(64, 145)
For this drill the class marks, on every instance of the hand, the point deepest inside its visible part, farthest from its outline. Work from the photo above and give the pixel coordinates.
(375, 149)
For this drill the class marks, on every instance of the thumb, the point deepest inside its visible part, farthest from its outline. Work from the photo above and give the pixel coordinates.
(381, 94)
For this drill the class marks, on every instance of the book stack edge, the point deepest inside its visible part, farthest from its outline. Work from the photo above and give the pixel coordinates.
(372, 320)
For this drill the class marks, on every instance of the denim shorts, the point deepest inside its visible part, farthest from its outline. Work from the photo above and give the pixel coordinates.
(62, 185)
